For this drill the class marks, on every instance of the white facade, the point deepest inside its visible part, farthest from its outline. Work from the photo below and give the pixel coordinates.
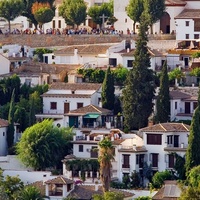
(4, 65)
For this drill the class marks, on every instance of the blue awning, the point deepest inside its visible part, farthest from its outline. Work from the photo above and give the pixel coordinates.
(91, 116)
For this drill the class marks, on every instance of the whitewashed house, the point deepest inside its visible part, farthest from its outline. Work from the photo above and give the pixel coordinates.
(4, 64)
(61, 98)
(183, 102)
(163, 139)
(94, 55)
(3, 136)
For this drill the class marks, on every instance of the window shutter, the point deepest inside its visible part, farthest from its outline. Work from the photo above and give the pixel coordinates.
(150, 157)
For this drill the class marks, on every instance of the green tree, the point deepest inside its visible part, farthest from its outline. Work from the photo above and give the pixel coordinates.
(27, 11)
(108, 91)
(20, 117)
(163, 100)
(44, 15)
(159, 178)
(120, 74)
(106, 155)
(30, 193)
(192, 153)
(192, 191)
(96, 12)
(176, 75)
(73, 11)
(143, 198)
(135, 179)
(44, 145)
(11, 129)
(137, 96)
(109, 196)
(11, 185)
(134, 11)
(155, 9)
(40, 51)
(179, 166)
(10, 9)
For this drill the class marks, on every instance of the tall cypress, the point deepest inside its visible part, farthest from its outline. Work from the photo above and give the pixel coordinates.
(11, 130)
(108, 91)
(193, 150)
(137, 96)
(163, 100)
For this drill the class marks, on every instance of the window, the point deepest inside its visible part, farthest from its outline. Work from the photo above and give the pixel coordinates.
(137, 159)
(125, 20)
(53, 105)
(53, 57)
(170, 139)
(171, 161)
(54, 24)
(129, 63)
(154, 159)
(187, 36)
(113, 62)
(196, 25)
(80, 148)
(28, 81)
(175, 105)
(30, 25)
(59, 23)
(94, 152)
(196, 36)
(79, 105)
(126, 163)
(194, 105)
(155, 139)
(73, 91)
(3, 133)
(187, 23)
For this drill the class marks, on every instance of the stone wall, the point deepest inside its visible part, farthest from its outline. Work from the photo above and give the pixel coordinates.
(65, 40)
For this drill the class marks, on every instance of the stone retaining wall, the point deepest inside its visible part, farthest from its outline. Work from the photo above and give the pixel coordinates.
(65, 40)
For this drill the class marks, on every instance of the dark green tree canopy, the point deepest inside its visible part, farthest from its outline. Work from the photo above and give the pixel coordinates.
(44, 15)
(108, 89)
(163, 100)
(73, 11)
(193, 151)
(44, 145)
(10, 9)
(138, 94)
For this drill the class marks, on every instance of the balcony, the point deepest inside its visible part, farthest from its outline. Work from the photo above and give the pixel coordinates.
(172, 147)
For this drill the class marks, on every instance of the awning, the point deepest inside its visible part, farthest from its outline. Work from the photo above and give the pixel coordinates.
(91, 116)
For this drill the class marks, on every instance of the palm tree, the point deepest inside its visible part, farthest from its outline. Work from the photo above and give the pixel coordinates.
(106, 155)
(31, 193)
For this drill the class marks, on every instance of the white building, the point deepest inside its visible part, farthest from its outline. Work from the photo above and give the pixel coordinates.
(3, 137)
(61, 98)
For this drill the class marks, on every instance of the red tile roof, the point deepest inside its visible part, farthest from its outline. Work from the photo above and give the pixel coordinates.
(59, 180)
(3, 123)
(75, 86)
(167, 127)
(189, 14)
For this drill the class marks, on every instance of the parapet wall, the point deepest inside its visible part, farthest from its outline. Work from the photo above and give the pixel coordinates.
(65, 40)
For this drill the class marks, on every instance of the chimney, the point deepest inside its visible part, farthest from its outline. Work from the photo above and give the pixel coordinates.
(75, 51)
(128, 50)
(96, 186)
(150, 123)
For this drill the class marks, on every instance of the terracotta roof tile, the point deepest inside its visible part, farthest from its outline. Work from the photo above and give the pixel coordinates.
(75, 86)
(39, 185)
(189, 14)
(87, 191)
(3, 123)
(175, 94)
(66, 95)
(167, 127)
(84, 49)
(59, 180)
(175, 2)
(90, 109)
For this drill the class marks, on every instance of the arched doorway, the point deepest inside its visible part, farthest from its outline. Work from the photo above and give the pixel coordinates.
(165, 23)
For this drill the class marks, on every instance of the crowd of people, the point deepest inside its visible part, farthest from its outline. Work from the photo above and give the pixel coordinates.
(66, 31)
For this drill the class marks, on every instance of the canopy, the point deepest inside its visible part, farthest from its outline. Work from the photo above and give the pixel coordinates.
(91, 116)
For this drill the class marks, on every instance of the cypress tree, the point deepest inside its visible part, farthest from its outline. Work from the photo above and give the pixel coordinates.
(193, 150)
(138, 93)
(163, 100)
(108, 91)
(11, 130)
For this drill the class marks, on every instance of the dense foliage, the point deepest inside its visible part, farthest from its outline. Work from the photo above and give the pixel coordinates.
(40, 51)
(193, 153)
(73, 11)
(106, 155)
(43, 145)
(10, 9)
(163, 100)
(109, 195)
(138, 93)
(108, 91)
